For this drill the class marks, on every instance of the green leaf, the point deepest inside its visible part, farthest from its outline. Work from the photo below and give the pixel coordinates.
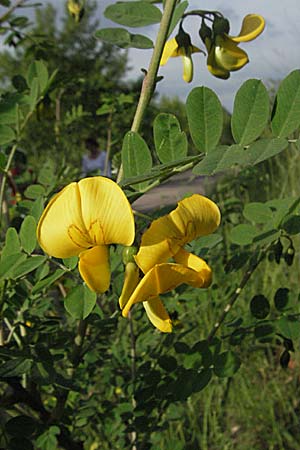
(264, 149)
(46, 282)
(8, 264)
(136, 157)
(27, 266)
(133, 14)
(226, 364)
(80, 302)
(71, 262)
(37, 70)
(292, 224)
(243, 234)
(12, 243)
(34, 191)
(34, 94)
(250, 112)
(47, 440)
(15, 367)
(28, 234)
(22, 424)
(7, 134)
(286, 117)
(259, 306)
(178, 13)
(281, 299)
(257, 212)
(170, 141)
(122, 38)
(289, 326)
(205, 118)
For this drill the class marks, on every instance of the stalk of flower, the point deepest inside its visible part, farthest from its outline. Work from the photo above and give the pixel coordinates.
(224, 54)
(182, 46)
(164, 240)
(83, 220)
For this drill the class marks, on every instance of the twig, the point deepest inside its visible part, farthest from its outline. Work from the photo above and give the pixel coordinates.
(11, 9)
(133, 434)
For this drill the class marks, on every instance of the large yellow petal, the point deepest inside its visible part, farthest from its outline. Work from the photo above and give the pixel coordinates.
(106, 212)
(94, 268)
(194, 262)
(160, 279)
(170, 50)
(158, 315)
(228, 55)
(61, 231)
(252, 26)
(194, 216)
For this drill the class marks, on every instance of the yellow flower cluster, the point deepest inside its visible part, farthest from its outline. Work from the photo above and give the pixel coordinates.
(86, 217)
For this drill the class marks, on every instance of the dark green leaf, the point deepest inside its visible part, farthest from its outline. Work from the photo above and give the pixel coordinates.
(46, 282)
(133, 14)
(292, 224)
(15, 367)
(264, 149)
(281, 299)
(205, 118)
(250, 112)
(136, 157)
(23, 425)
(285, 359)
(122, 38)
(28, 234)
(34, 191)
(286, 117)
(80, 302)
(259, 306)
(226, 364)
(37, 71)
(178, 13)
(170, 141)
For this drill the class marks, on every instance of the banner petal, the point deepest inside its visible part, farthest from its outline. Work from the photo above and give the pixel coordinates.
(61, 231)
(252, 26)
(106, 212)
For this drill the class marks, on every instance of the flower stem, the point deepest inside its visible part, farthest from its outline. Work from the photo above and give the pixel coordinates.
(149, 81)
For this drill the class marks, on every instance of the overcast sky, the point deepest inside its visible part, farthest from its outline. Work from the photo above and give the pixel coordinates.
(272, 55)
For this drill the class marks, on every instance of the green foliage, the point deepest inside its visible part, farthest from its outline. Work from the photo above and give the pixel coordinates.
(133, 14)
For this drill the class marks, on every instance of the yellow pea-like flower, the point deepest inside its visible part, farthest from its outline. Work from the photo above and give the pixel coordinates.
(165, 238)
(83, 219)
(224, 54)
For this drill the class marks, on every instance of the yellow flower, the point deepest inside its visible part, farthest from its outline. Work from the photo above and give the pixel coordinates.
(181, 46)
(224, 55)
(76, 9)
(82, 220)
(194, 216)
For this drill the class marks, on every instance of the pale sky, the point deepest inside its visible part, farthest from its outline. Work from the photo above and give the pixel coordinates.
(272, 55)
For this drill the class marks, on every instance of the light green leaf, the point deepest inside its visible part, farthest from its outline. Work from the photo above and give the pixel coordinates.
(264, 149)
(122, 38)
(27, 266)
(8, 264)
(12, 243)
(15, 367)
(219, 159)
(250, 112)
(243, 234)
(46, 282)
(258, 212)
(170, 141)
(80, 302)
(7, 134)
(133, 14)
(34, 94)
(34, 191)
(286, 117)
(289, 326)
(226, 364)
(28, 234)
(38, 70)
(205, 118)
(136, 157)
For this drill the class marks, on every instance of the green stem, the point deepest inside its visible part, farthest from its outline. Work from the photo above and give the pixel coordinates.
(149, 81)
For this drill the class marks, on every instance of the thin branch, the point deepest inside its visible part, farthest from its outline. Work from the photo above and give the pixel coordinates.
(11, 10)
